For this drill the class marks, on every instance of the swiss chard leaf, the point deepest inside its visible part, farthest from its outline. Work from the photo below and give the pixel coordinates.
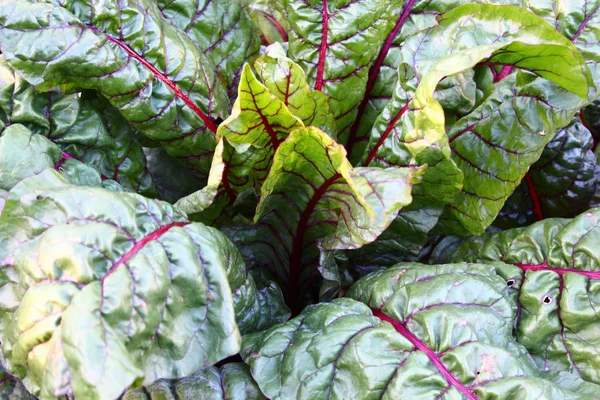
(560, 184)
(150, 71)
(493, 153)
(554, 277)
(222, 29)
(230, 382)
(81, 125)
(313, 201)
(335, 42)
(422, 332)
(101, 289)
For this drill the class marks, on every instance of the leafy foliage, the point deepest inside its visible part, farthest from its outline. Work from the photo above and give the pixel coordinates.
(181, 182)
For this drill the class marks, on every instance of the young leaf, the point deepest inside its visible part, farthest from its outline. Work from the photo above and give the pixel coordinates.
(222, 29)
(431, 332)
(335, 42)
(554, 277)
(560, 184)
(230, 382)
(313, 200)
(286, 80)
(102, 288)
(150, 71)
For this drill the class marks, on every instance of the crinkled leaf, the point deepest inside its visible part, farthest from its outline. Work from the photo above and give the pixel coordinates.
(313, 200)
(335, 42)
(492, 160)
(286, 80)
(150, 71)
(578, 20)
(555, 278)
(230, 382)
(256, 127)
(222, 29)
(23, 154)
(560, 184)
(101, 289)
(83, 126)
(423, 332)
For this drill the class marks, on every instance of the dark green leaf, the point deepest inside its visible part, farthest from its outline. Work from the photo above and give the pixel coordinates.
(149, 70)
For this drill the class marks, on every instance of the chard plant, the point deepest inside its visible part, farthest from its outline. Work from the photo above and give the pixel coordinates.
(299, 199)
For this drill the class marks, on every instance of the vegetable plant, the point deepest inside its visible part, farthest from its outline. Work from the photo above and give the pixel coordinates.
(299, 199)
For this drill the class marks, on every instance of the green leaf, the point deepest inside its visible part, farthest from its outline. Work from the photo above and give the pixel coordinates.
(82, 125)
(335, 42)
(222, 29)
(11, 388)
(101, 289)
(286, 80)
(230, 382)
(23, 154)
(150, 71)
(554, 276)
(492, 160)
(423, 332)
(259, 122)
(313, 201)
(560, 184)
(272, 24)
(578, 21)
(171, 178)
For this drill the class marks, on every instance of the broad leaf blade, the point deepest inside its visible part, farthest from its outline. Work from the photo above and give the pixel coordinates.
(103, 288)
(431, 332)
(560, 184)
(335, 42)
(555, 275)
(480, 144)
(312, 201)
(150, 71)
(222, 29)
(230, 382)
(286, 80)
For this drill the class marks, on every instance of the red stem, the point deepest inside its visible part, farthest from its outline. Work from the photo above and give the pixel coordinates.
(433, 357)
(374, 73)
(504, 72)
(65, 156)
(297, 245)
(560, 271)
(385, 135)
(165, 79)
(323, 49)
(140, 244)
(535, 199)
(277, 25)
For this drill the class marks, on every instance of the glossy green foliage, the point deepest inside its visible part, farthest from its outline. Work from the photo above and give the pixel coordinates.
(335, 42)
(312, 201)
(221, 29)
(309, 170)
(230, 382)
(80, 126)
(150, 71)
(416, 331)
(562, 183)
(554, 277)
(121, 280)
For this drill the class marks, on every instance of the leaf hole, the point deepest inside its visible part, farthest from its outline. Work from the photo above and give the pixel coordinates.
(510, 282)
(547, 299)
(39, 197)
(478, 372)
